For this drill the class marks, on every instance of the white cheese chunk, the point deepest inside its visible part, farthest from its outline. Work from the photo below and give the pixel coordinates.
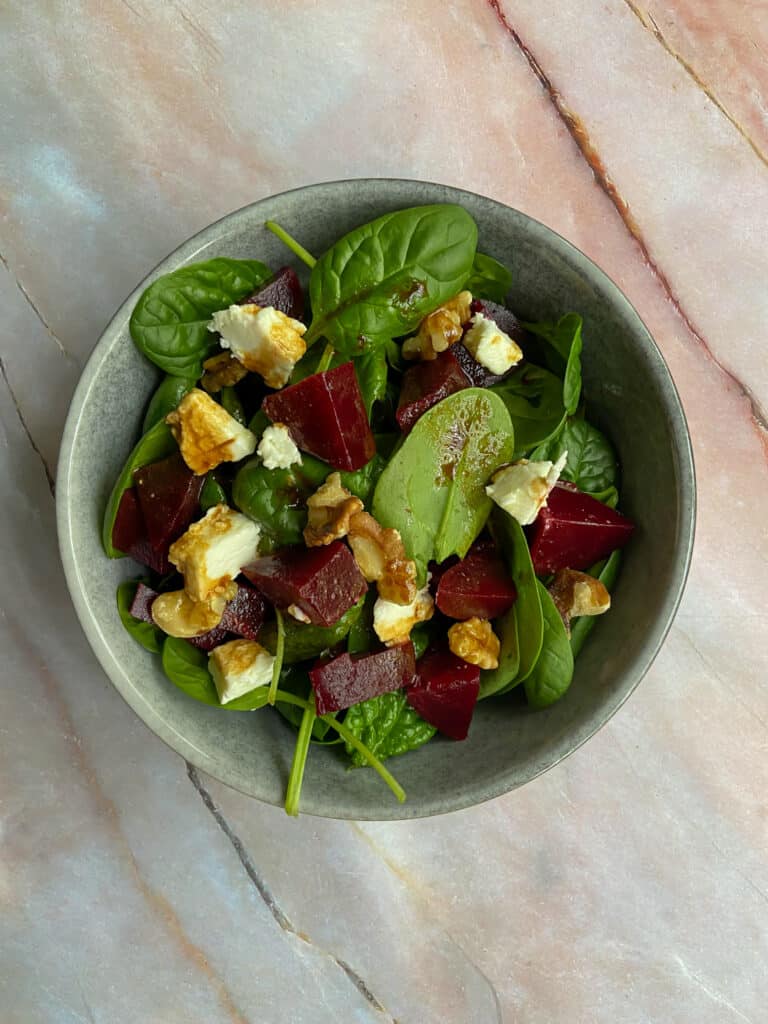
(392, 623)
(207, 435)
(265, 340)
(522, 489)
(490, 346)
(239, 667)
(277, 449)
(213, 551)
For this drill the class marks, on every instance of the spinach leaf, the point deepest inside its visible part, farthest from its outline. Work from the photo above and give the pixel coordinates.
(387, 725)
(169, 393)
(212, 493)
(156, 444)
(371, 370)
(553, 672)
(591, 462)
(361, 637)
(361, 482)
(534, 400)
(295, 679)
(582, 627)
(564, 354)
(433, 488)
(169, 323)
(497, 680)
(276, 498)
(380, 280)
(511, 540)
(304, 641)
(187, 668)
(489, 279)
(150, 637)
(232, 404)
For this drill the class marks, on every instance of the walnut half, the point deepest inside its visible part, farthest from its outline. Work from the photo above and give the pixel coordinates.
(439, 329)
(380, 556)
(576, 593)
(475, 642)
(222, 371)
(329, 511)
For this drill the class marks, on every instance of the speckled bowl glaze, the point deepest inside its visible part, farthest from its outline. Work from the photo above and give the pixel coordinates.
(631, 396)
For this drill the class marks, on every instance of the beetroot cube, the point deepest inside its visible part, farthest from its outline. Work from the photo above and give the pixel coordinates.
(244, 615)
(283, 291)
(479, 376)
(169, 496)
(323, 582)
(479, 585)
(141, 606)
(129, 535)
(504, 319)
(445, 692)
(426, 384)
(214, 637)
(574, 530)
(326, 416)
(345, 680)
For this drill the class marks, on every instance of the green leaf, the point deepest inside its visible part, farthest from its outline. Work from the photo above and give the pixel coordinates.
(565, 345)
(387, 725)
(187, 668)
(361, 637)
(304, 641)
(169, 393)
(149, 636)
(232, 404)
(212, 493)
(553, 672)
(300, 754)
(361, 482)
(371, 371)
(169, 323)
(534, 400)
(591, 462)
(433, 489)
(156, 444)
(489, 279)
(505, 675)
(380, 280)
(582, 627)
(276, 498)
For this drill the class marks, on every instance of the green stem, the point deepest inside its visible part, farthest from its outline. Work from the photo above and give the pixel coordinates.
(293, 793)
(296, 248)
(347, 735)
(277, 667)
(325, 358)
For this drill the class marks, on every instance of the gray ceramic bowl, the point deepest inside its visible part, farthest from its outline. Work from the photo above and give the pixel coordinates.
(630, 395)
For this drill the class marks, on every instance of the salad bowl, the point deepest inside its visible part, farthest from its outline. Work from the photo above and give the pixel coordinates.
(631, 398)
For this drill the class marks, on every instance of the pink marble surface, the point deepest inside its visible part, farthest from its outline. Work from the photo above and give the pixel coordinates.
(629, 884)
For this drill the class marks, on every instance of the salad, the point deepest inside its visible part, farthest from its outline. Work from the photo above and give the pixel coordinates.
(369, 506)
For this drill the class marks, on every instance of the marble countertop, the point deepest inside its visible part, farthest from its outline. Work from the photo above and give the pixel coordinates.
(628, 885)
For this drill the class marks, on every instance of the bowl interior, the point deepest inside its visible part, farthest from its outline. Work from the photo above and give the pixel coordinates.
(630, 395)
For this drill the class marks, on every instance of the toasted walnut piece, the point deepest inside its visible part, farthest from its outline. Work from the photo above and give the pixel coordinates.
(380, 556)
(178, 615)
(439, 329)
(576, 593)
(222, 371)
(475, 642)
(329, 509)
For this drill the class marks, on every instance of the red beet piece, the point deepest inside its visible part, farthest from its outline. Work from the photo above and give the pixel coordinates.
(323, 582)
(326, 417)
(142, 603)
(478, 585)
(129, 535)
(479, 376)
(573, 531)
(283, 291)
(244, 615)
(214, 637)
(345, 681)
(504, 318)
(426, 384)
(169, 497)
(445, 692)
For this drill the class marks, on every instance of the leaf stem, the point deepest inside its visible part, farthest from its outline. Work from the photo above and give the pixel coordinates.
(347, 735)
(325, 358)
(300, 753)
(296, 248)
(277, 667)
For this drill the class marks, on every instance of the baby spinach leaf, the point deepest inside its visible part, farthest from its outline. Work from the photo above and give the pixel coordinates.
(534, 400)
(553, 672)
(187, 668)
(510, 538)
(591, 462)
(156, 444)
(169, 393)
(361, 637)
(295, 679)
(387, 725)
(212, 493)
(150, 637)
(498, 679)
(169, 323)
(232, 404)
(380, 280)
(489, 279)
(564, 345)
(433, 488)
(361, 482)
(371, 370)
(582, 627)
(276, 498)
(304, 641)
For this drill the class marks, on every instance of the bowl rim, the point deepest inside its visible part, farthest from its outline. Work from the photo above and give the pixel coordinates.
(502, 782)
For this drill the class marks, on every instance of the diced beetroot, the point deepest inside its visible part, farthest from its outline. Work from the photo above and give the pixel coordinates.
(345, 680)
(326, 416)
(479, 376)
(169, 497)
(574, 530)
(129, 536)
(426, 384)
(445, 692)
(283, 291)
(244, 615)
(478, 586)
(323, 582)
(504, 318)
(142, 603)
(214, 637)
